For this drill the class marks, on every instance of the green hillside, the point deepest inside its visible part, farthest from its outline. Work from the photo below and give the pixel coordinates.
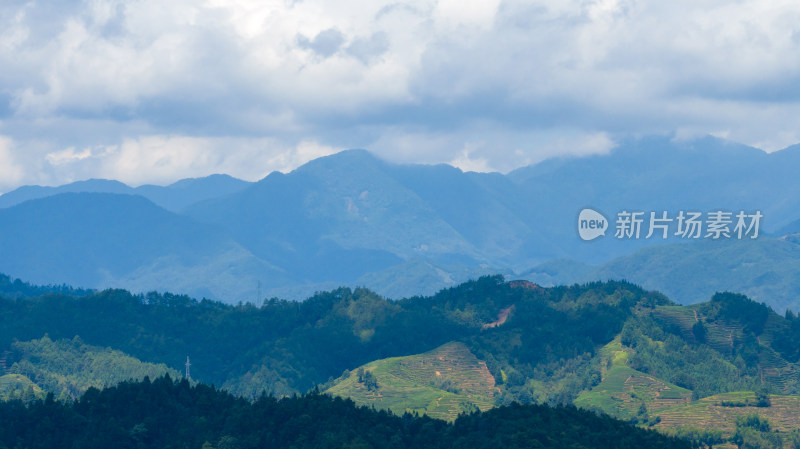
(627, 393)
(285, 347)
(711, 412)
(67, 368)
(441, 383)
(610, 347)
(709, 349)
(19, 387)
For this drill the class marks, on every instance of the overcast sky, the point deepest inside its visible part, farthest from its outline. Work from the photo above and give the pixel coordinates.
(151, 91)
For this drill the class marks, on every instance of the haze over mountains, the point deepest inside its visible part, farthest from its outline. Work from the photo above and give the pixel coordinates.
(353, 219)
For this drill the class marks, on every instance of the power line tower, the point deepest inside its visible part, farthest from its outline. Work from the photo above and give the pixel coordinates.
(188, 370)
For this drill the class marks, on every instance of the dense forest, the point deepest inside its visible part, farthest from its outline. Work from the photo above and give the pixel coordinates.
(609, 347)
(287, 347)
(174, 414)
(16, 288)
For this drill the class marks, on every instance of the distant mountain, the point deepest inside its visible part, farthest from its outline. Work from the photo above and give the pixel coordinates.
(181, 194)
(104, 240)
(173, 197)
(339, 217)
(658, 174)
(26, 193)
(765, 269)
(402, 230)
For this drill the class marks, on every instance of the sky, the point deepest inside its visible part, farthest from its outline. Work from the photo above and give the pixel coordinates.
(148, 91)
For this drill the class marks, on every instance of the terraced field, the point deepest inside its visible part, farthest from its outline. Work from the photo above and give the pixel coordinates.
(680, 316)
(623, 390)
(441, 383)
(720, 336)
(783, 414)
(780, 375)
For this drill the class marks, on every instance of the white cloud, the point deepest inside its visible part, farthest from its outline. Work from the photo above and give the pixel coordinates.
(466, 163)
(160, 159)
(455, 13)
(11, 172)
(173, 88)
(68, 155)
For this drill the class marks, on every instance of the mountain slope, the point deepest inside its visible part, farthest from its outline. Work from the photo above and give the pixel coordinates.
(441, 383)
(624, 391)
(333, 219)
(182, 194)
(67, 368)
(87, 239)
(710, 413)
(18, 387)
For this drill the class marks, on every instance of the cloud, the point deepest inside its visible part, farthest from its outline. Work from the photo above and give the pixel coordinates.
(325, 44)
(455, 13)
(11, 172)
(367, 49)
(68, 155)
(161, 159)
(466, 163)
(484, 147)
(154, 159)
(512, 81)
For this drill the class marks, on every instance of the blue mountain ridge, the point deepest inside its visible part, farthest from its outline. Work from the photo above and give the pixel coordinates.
(353, 218)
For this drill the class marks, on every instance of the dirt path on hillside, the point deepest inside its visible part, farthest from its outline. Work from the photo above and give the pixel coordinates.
(501, 318)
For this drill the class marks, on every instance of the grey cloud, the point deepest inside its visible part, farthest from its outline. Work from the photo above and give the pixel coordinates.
(325, 44)
(394, 8)
(44, 22)
(368, 49)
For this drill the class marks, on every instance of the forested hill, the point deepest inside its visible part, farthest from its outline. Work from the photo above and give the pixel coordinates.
(166, 414)
(611, 347)
(16, 288)
(285, 347)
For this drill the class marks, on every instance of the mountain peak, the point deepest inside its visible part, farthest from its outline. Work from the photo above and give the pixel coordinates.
(355, 154)
(348, 160)
(214, 179)
(26, 193)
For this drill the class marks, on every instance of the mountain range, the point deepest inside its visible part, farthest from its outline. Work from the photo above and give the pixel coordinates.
(173, 197)
(404, 230)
